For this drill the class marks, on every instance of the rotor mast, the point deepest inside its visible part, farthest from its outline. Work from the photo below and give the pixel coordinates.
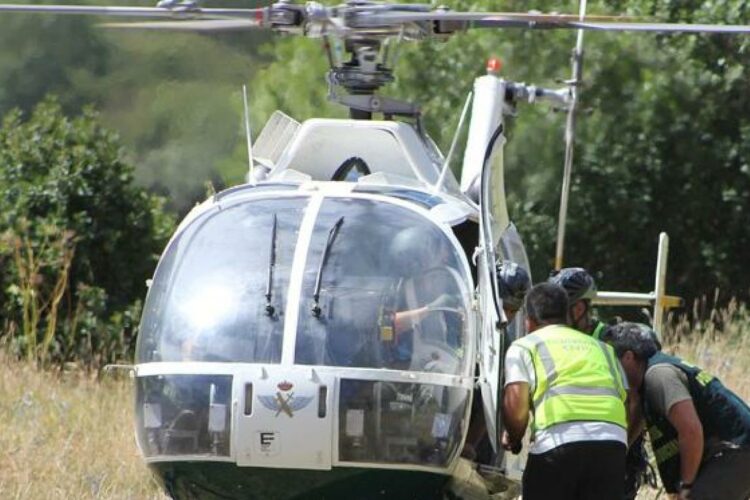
(369, 68)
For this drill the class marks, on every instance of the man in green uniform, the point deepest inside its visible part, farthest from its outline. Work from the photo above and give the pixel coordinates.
(574, 387)
(699, 429)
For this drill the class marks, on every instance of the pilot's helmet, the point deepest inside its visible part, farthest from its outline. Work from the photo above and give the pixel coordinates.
(415, 249)
(513, 282)
(577, 282)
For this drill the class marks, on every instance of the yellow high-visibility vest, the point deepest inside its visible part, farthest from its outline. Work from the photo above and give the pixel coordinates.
(577, 378)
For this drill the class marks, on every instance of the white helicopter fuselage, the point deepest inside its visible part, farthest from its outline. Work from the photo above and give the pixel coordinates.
(325, 321)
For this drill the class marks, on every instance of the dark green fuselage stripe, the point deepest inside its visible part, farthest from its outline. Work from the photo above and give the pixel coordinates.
(221, 480)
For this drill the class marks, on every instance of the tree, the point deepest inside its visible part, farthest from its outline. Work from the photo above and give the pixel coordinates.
(173, 97)
(668, 149)
(77, 229)
(48, 55)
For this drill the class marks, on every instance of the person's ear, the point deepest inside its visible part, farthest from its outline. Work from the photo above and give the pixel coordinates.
(579, 309)
(629, 359)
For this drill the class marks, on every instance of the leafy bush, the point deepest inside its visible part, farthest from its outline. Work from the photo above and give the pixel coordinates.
(79, 238)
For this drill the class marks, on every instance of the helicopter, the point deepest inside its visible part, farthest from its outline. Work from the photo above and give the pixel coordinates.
(322, 330)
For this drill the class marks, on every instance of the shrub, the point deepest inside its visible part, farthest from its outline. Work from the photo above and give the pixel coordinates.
(79, 240)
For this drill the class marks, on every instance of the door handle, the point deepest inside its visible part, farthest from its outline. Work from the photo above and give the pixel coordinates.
(322, 401)
(248, 398)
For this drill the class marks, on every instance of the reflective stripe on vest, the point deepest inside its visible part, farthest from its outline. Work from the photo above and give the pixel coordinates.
(576, 378)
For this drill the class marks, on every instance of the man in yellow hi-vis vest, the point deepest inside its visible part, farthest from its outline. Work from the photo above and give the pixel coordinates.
(572, 388)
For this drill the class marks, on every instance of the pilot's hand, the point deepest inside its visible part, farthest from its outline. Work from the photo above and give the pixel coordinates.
(445, 301)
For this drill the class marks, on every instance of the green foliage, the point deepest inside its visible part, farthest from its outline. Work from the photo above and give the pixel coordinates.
(39, 56)
(172, 97)
(80, 238)
(176, 102)
(668, 150)
(42, 273)
(293, 83)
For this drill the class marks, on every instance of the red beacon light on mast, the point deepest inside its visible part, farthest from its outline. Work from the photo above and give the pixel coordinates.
(494, 65)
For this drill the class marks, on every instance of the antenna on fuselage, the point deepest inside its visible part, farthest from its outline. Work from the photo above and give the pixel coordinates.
(570, 124)
(446, 163)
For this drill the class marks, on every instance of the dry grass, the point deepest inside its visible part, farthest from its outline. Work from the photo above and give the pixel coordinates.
(67, 437)
(720, 345)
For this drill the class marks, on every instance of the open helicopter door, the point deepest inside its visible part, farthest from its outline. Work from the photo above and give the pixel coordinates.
(483, 165)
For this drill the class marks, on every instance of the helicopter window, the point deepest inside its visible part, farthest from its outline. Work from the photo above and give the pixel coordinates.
(511, 248)
(208, 300)
(351, 170)
(390, 422)
(256, 188)
(421, 198)
(393, 294)
(184, 414)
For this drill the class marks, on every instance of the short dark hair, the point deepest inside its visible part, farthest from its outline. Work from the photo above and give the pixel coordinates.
(547, 304)
(635, 337)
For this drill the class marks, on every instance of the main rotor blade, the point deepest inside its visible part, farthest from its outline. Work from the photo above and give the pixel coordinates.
(153, 12)
(503, 18)
(542, 21)
(728, 29)
(188, 25)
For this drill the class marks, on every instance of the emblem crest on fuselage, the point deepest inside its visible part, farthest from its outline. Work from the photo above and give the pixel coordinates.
(284, 401)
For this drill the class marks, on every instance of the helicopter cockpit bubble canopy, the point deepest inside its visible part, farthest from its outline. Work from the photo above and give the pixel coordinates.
(369, 322)
(207, 301)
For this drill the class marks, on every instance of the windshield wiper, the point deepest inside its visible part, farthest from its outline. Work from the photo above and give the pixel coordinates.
(331, 237)
(271, 265)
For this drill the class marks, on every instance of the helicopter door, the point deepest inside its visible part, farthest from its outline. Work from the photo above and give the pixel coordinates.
(284, 418)
(491, 350)
(493, 217)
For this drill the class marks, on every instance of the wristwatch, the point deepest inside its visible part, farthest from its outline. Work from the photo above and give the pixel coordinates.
(684, 488)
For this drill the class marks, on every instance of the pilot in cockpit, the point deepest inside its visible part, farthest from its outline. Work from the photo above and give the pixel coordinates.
(426, 313)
